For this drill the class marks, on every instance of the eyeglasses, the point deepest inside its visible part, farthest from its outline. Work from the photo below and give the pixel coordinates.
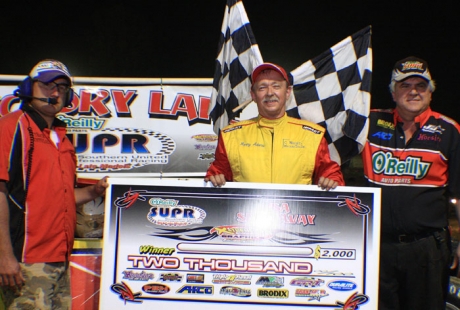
(51, 86)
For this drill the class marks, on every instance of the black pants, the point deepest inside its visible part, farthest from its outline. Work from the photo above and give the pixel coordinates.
(414, 275)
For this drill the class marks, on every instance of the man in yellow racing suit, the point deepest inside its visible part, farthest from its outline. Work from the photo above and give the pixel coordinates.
(273, 147)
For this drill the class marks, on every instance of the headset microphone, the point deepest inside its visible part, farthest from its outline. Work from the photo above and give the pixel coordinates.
(47, 100)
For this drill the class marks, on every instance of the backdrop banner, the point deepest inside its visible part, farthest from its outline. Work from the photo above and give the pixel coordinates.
(137, 131)
(182, 243)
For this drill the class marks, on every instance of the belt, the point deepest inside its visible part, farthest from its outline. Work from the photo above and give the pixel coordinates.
(408, 238)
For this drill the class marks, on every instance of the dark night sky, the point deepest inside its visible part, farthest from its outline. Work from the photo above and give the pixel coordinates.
(178, 38)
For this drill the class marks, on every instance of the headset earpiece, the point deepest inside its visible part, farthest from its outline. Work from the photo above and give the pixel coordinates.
(69, 98)
(25, 87)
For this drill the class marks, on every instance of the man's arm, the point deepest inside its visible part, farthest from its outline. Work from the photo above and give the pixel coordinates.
(328, 174)
(10, 271)
(219, 171)
(457, 250)
(91, 192)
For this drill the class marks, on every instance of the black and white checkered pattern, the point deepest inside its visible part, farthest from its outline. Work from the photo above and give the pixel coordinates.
(238, 55)
(333, 90)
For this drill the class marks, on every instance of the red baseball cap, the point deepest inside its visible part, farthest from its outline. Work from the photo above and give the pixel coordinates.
(269, 66)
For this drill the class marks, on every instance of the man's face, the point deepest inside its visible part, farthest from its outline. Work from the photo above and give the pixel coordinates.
(57, 89)
(412, 97)
(270, 92)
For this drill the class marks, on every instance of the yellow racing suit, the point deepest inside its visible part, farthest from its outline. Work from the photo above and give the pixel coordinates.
(285, 150)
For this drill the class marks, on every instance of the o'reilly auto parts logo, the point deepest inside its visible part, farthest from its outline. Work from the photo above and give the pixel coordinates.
(388, 164)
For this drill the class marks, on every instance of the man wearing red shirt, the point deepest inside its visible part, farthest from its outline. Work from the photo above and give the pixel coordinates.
(38, 196)
(413, 155)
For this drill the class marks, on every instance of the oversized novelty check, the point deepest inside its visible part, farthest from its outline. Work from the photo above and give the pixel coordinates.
(179, 243)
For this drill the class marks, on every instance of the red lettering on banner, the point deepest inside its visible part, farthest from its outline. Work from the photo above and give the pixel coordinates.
(89, 102)
(95, 103)
(122, 101)
(204, 107)
(184, 104)
(156, 103)
(280, 207)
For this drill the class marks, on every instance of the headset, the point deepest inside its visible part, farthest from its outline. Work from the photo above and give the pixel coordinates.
(24, 91)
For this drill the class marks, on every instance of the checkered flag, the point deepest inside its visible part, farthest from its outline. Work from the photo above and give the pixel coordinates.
(333, 90)
(238, 54)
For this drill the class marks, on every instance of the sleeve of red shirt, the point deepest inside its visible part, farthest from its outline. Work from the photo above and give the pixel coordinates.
(220, 165)
(6, 142)
(325, 167)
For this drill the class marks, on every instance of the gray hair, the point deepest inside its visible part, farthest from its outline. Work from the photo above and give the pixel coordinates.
(431, 85)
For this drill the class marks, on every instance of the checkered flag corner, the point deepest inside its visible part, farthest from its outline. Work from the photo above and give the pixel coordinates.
(334, 91)
(238, 54)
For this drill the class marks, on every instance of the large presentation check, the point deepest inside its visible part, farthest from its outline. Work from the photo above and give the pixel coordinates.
(181, 243)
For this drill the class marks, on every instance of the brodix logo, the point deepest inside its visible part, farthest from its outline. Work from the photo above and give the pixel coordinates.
(273, 293)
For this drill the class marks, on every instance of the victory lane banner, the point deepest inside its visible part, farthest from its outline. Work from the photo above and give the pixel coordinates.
(183, 243)
(137, 130)
(158, 130)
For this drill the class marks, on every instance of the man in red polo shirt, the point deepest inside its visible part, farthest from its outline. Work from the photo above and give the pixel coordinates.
(38, 196)
(413, 154)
